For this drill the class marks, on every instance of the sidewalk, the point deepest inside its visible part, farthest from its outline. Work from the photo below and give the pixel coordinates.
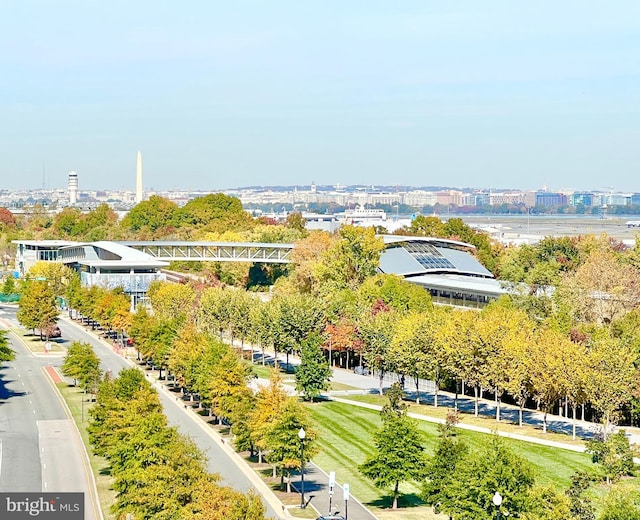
(369, 384)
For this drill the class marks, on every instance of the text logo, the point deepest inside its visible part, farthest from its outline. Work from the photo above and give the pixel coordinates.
(46, 506)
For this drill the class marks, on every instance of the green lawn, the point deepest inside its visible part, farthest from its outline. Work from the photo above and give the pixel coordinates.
(345, 439)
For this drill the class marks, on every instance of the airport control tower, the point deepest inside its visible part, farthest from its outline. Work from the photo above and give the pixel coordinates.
(73, 188)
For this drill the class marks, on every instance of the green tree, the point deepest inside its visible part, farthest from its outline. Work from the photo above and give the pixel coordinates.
(613, 454)
(9, 286)
(621, 505)
(581, 506)
(150, 215)
(313, 374)
(6, 353)
(398, 456)
(83, 365)
(396, 292)
(492, 469)
(216, 212)
(442, 467)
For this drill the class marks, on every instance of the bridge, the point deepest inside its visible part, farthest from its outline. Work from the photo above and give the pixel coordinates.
(171, 251)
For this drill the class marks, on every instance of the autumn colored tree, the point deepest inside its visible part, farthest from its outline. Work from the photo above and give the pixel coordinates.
(305, 257)
(548, 369)
(376, 331)
(602, 289)
(342, 337)
(269, 403)
(7, 219)
(171, 301)
(349, 260)
(37, 307)
(416, 348)
(282, 441)
(611, 376)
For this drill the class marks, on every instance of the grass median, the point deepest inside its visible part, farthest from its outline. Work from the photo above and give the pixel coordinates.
(346, 440)
(79, 404)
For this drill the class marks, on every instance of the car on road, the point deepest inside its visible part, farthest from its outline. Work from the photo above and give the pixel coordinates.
(55, 332)
(331, 517)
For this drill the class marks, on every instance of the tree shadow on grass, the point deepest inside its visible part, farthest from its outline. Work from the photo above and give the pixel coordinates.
(407, 500)
(105, 471)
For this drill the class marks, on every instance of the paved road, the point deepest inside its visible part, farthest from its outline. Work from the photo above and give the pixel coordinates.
(220, 458)
(40, 449)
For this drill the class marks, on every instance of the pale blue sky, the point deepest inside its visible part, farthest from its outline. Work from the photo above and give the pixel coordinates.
(223, 94)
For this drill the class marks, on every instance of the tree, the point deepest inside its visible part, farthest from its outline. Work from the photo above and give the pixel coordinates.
(270, 401)
(228, 386)
(396, 292)
(442, 467)
(306, 257)
(172, 302)
(313, 374)
(467, 355)
(282, 442)
(398, 455)
(612, 375)
(613, 454)
(350, 260)
(621, 505)
(6, 353)
(416, 349)
(603, 288)
(546, 503)
(83, 365)
(215, 212)
(152, 215)
(296, 317)
(581, 507)
(548, 369)
(494, 468)
(376, 331)
(37, 307)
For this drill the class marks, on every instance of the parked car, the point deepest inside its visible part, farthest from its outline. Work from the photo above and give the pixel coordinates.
(55, 332)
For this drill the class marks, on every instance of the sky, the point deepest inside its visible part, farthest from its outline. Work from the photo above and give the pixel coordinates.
(219, 94)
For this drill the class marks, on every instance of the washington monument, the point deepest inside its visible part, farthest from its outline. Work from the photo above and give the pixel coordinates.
(139, 178)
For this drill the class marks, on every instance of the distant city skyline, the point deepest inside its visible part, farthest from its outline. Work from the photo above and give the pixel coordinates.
(219, 95)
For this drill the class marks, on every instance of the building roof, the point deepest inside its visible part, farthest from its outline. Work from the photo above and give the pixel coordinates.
(414, 256)
(109, 254)
(464, 284)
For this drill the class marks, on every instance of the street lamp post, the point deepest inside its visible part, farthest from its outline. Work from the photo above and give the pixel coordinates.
(301, 435)
(497, 501)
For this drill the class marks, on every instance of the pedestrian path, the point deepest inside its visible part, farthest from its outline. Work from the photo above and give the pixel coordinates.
(370, 383)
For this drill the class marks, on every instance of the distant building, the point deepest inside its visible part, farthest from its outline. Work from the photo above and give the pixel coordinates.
(581, 198)
(550, 199)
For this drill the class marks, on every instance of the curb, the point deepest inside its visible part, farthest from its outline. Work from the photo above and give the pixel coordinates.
(93, 489)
